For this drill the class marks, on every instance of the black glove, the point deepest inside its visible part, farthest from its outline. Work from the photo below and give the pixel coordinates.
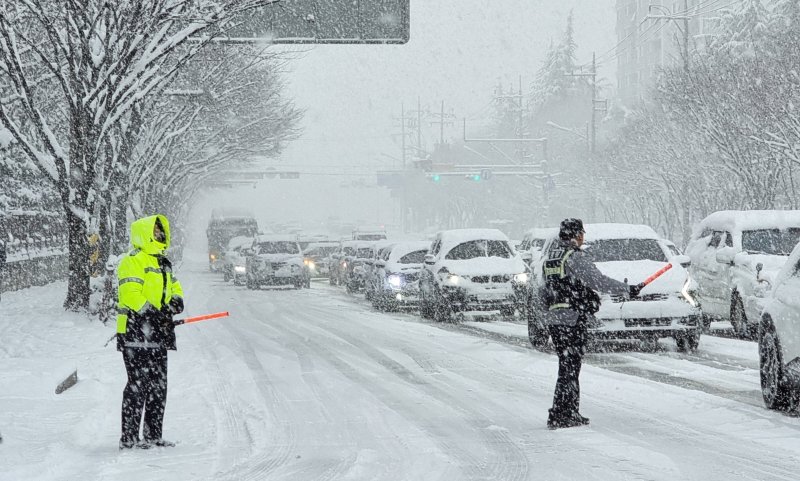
(635, 290)
(176, 305)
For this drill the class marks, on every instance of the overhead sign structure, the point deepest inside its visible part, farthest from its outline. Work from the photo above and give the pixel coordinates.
(325, 21)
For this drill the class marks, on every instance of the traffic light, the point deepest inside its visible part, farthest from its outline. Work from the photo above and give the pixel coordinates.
(436, 178)
(476, 177)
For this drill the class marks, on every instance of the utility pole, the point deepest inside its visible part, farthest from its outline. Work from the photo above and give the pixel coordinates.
(603, 104)
(520, 129)
(675, 18)
(444, 119)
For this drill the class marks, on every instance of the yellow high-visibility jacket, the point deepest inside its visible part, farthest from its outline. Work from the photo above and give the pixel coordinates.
(146, 284)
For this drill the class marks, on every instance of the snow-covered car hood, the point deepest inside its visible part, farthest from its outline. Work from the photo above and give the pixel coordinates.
(637, 271)
(402, 268)
(484, 265)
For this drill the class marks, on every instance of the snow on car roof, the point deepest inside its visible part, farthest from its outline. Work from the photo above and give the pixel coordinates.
(540, 233)
(402, 248)
(276, 238)
(463, 235)
(619, 231)
(739, 220)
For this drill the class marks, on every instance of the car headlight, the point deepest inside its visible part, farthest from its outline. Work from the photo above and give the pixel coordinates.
(240, 269)
(521, 278)
(687, 294)
(213, 257)
(395, 281)
(453, 279)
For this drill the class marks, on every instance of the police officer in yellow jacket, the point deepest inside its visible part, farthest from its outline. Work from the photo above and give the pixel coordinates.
(149, 295)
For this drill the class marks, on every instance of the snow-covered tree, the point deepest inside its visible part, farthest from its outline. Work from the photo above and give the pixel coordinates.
(72, 73)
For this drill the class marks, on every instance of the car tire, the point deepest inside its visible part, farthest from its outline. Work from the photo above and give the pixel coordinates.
(226, 277)
(741, 327)
(774, 389)
(250, 284)
(442, 311)
(687, 342)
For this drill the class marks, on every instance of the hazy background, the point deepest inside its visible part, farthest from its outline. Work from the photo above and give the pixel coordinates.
(459, 51)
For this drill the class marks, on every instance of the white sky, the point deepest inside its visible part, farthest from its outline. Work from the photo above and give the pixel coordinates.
(458, 52)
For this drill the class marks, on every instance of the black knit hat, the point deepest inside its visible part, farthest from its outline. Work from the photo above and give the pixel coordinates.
(570, 228)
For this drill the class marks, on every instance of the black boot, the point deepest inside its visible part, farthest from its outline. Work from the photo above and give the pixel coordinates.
(558, 420)
(126, 444)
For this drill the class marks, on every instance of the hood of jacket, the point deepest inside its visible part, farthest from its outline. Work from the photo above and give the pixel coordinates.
(142, 235)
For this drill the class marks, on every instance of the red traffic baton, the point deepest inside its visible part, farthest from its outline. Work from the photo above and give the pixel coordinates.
(655, 276)
(204, 317)
(188, 320)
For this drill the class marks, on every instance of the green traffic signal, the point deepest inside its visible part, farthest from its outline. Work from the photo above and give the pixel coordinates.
(476, 177)
(436, 177)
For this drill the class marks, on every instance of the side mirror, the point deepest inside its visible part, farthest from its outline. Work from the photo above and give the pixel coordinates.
(725, 255)
(683, 260)
(381, 264)
(247, 252)
(430, 259)
(526, 256)
(759, 268)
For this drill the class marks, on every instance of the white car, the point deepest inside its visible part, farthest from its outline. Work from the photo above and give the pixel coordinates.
(235, 260)
(276, 261)
(470, 270)
(735, 257)
(358, 266)
(632, 253)
(779, 338)
(395, 275)
(533, 242)
(317, 257)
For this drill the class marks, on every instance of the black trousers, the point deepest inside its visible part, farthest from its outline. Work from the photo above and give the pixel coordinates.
(570, 343)
(145, 393)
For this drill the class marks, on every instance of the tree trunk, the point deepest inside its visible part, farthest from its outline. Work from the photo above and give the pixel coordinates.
(78, 282)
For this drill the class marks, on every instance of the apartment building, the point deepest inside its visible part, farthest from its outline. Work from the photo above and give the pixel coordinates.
(651, 34)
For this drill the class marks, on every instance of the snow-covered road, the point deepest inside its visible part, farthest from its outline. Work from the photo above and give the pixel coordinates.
(313, 385)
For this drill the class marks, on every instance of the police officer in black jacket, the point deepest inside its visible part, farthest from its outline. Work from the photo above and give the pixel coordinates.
(571, 279)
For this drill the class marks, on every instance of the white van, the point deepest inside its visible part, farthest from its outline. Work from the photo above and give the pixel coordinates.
(735, 258)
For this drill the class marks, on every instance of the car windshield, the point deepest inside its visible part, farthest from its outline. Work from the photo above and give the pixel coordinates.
(349, 251)
(770, 241)
(320, 251)
(616, 250)
(416, 257)
(371, 237)
(364, 253)
(479, 248)
(280, 247)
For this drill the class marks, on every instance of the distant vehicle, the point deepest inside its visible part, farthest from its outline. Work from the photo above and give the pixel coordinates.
(234, 260)
(779, 338)
(276, 261)
(358, 266)
(224, 226)
(469, 270)
(530, 250)
(307, 239)
(369, 234)
(394, 282)
(735, 257)
(631, 253)
(339, 262)
(317, 256)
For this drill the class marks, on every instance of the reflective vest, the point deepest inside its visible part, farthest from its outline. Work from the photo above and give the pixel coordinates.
(145, 277)
(560, 288)
(564, 291)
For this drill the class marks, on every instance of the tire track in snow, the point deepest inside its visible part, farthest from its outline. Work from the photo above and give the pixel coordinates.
(511, 464)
